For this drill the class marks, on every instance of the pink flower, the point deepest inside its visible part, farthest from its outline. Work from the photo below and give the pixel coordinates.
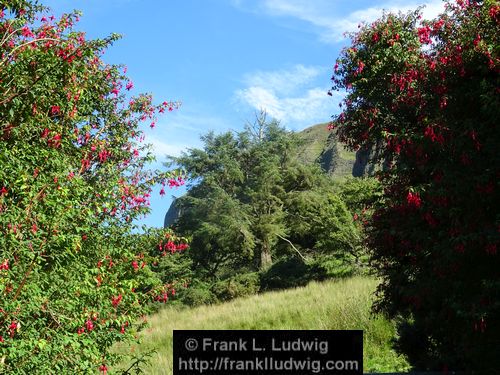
(129, 85)
(89, 325)
(25, 31)
(361, 66)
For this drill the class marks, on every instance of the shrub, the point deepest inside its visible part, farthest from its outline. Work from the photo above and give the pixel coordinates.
(237, 286)
(424, 95)
(73, 278)
(286, 273)
(197, 293)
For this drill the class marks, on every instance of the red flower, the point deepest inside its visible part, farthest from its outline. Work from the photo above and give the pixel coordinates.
(413, 199)
(424, 35)
(135, 265)
(494, 11)
(430, 219)
(4, 265)
(103, 369)
(14, 326)
(491, 249)
(89, 325)
(115, 301)
(3, 191)
(55, 109)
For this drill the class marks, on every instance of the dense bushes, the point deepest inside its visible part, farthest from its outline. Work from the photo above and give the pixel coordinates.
(73, 277)
(424, 95)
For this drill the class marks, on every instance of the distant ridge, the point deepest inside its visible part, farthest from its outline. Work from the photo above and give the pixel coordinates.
(321, 146)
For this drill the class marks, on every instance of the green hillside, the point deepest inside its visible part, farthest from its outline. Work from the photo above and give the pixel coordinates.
(320, 145)
(341, 304)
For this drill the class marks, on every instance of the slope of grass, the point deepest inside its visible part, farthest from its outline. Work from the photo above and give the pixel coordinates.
(315, 140)
(316, 143)
(343, 304)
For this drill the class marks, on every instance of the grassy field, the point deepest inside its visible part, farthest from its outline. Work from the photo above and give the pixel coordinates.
(343, 304)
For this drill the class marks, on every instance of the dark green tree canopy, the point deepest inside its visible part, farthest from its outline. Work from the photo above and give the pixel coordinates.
(252, 200)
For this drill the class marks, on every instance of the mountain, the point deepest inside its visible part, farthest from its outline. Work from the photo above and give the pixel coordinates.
(321, 146)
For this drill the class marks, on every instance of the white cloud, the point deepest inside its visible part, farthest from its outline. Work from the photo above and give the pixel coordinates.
(287, 95)
(283, 81)
(161, 149)
(179, 130)
(329, 19)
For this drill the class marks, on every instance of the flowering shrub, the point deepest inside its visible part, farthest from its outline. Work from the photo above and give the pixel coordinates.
(425, 95)
(73, 279)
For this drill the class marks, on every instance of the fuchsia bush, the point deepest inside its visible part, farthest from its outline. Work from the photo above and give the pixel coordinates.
(73, 277)
(425, 94)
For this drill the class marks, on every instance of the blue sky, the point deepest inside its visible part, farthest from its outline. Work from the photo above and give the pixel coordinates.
(226, 59)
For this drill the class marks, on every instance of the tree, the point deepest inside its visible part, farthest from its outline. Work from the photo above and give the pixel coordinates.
(424, 95)
(251, 201)
(73, 280)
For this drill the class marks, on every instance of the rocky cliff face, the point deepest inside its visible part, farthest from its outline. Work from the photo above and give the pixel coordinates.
(172, 214)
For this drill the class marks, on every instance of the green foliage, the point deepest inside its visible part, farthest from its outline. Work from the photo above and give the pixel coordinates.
(73, 278)
(237, 286)
(252, 201)
(198, 293)
(424, 95)
(286, 273)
